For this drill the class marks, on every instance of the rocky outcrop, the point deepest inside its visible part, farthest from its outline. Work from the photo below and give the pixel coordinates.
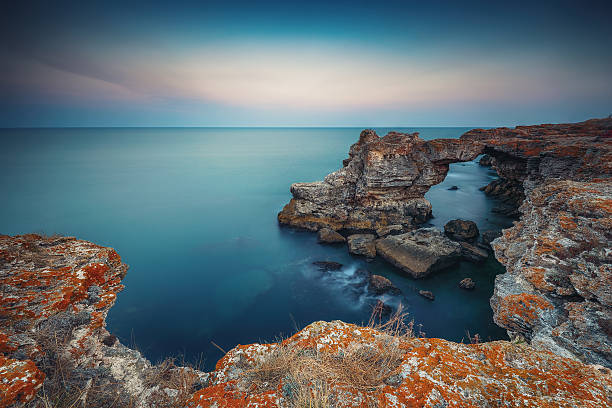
(411, 372)
(328, 236)
(419, 252)
(380, 285)
(467, 284)
(557, 292)
(382, 183)
(56, 293)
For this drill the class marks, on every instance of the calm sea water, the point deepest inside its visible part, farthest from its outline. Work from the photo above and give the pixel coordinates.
(193, 212)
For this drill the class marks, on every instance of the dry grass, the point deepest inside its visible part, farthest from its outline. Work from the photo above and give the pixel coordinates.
(308, 376)
(168, 375)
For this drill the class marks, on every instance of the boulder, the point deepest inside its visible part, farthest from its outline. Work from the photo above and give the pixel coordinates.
(419, 252)
(362, 244)
(453, 188)
(427, 294)
(380, 285)
(467, 284)
(461, 230)
(327, 266)
(473, 253)
(329, 236)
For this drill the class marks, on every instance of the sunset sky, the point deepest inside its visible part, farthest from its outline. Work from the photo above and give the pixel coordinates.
(312, 63)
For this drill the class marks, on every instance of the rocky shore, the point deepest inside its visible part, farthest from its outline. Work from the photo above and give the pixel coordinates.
(556, 178)
(555, 299)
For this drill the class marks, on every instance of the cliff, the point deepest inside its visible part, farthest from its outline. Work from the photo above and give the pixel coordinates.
(56, 293)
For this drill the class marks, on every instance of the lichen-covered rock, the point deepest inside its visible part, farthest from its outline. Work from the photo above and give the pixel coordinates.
(329, 236)
(56, 293)
(382, 183)
(419, 252)
(557, 292)
(429, 373)
(362, 244)
(461, 230)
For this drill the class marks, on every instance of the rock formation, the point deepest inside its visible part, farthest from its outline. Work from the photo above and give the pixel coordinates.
(381, 183)
(56, 293)
(461, 230)
(362, 244)
(423, 373)
(556, 292)
(329, 236)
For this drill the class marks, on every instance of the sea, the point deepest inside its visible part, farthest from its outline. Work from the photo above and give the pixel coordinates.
(192, 211)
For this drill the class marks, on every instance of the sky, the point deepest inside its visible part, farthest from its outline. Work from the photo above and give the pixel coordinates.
(346, 63)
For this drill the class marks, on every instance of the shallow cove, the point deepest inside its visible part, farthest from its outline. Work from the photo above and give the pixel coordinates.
(193, 212)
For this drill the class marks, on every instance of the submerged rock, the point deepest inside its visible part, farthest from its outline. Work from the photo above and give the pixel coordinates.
(419, 252)
(453, 188)
(427, 294)
(380, 285)
(461, 230)
(327, 265)
(467, 284)
(329, 236)
(362, 244)
(489, 235)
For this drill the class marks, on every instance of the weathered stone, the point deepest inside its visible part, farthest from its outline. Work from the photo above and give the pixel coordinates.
(382, 183)
(329, 236)
(427, 294)
(380, 285)
(461, 230)
(419, 252)
(327, 265)
(389, 230)
(473, 253)
(467, 284)
(362, 244)
(430, 373)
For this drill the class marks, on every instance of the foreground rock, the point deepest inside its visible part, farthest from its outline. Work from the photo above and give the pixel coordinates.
(419, 252)
(461, 230)
(56, 293)
(427, 373)
(362, 244)
(329, 236)
(383, 182)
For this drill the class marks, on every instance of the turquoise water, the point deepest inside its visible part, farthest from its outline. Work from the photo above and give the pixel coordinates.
(193, 212)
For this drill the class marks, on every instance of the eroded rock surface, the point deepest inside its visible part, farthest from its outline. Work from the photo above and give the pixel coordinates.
(56, 293)
(419, 252)
(382, 183)
(428, 373)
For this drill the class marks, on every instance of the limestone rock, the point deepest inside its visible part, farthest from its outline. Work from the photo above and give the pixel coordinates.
(461, 230)
(380, 285)
(467, 284)
(473, 253)
(430, 373)
(382, 183)
(419, 252)
(329, 236)
(362, 244)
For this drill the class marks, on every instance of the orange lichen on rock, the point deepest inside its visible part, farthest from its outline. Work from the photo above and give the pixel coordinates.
(19, 381)
(431, 372)
(523, 307)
